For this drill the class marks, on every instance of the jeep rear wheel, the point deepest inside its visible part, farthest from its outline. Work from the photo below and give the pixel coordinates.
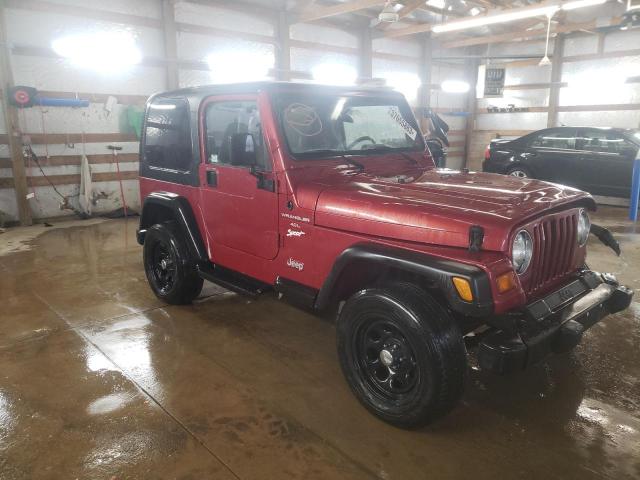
(170, 273)
(402, 354)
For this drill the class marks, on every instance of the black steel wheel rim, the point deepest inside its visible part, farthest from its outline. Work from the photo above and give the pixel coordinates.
(386, 359)
(163, 268)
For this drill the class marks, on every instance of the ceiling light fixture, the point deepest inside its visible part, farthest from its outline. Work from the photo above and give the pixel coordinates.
(388, 13)
(581, 4)
(454, 86)
(515, 14)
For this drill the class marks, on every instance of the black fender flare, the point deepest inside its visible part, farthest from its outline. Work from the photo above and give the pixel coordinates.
(433, 269)
(181, 212)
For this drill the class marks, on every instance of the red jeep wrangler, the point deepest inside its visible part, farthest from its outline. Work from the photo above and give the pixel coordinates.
(328, 196)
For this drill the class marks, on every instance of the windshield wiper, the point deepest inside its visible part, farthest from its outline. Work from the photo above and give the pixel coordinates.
(381, 147)
(335, 153)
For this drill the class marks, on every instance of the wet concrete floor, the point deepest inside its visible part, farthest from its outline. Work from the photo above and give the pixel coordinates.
(99, 380)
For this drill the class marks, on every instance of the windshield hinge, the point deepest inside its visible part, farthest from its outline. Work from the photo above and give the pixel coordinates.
(476, 238)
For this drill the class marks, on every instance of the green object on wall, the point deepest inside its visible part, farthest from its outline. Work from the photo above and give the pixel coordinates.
(135, 115)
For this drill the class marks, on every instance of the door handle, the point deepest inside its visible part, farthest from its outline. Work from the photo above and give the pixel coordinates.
(212, 178)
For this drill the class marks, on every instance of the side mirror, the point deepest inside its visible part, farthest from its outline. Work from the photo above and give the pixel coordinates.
(243, 150)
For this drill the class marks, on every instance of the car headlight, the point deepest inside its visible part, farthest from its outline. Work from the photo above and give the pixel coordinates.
(584, 227)
(521, 251)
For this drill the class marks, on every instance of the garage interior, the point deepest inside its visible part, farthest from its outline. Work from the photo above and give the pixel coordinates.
(100, 379)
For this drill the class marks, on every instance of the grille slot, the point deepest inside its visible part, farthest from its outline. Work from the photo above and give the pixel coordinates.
(554, 241)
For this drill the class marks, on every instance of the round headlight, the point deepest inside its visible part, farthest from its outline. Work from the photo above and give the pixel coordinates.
(584, 227)
(521, 251)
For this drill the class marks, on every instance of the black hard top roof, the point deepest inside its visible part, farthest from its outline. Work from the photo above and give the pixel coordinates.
(275, 87)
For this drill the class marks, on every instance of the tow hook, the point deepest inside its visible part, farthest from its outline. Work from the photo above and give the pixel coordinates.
(606, 237)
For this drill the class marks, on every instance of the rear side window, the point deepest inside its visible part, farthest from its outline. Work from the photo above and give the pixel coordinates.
(604, 141)
(558, 139)
(167, 135)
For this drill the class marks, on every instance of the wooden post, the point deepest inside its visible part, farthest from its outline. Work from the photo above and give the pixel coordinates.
(556, 78)
(426, 63)
(366, 54)
(170, 43)
(283, 53)
(471, 75)
(13, 127)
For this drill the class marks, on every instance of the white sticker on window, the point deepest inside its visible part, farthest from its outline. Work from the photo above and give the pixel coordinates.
(397, 116)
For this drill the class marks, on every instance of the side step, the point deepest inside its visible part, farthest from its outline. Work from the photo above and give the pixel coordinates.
(236, 282)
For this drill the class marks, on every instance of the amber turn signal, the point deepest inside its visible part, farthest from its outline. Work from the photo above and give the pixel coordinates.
(506, 282)
(464, 288)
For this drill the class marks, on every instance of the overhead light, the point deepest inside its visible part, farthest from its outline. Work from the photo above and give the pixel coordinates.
(406, 83)
(437, 3)
(388, 14)
(105, 52)
(581, 4)
(454, 86)
(335, 74)
(516, 14)
(493, 19)
(246, 66)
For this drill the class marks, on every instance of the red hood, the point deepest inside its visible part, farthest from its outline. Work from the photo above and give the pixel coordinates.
(436, 207)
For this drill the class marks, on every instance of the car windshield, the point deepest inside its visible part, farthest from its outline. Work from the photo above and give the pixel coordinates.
(321, 125)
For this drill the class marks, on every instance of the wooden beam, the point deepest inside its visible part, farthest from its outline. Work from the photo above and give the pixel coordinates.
(170, 43)
(556, 78)
(13, 127)
(249, 8)
(524, 34)
(471, 76)
(283, 48)
(83, 12)
(75, 160)
(68, 138)
(223, 32)
(317, 13)
(426, 68)
(73, 179)
(366, 54)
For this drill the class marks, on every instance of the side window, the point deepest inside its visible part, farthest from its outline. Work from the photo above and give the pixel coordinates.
(167, 143)
(558, 139)
(603, 141)
(223, 120)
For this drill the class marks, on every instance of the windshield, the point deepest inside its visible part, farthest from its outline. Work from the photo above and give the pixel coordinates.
(316, 125)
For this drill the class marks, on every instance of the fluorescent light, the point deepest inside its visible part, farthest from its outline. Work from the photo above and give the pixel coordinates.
(492, 19)
(105, 52)
(406, 83)
(581, 4)
(238, 66)
(335, 74)
(454, 86)
(436, 3)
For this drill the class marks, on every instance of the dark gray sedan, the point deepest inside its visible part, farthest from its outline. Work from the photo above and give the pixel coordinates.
(598, 160)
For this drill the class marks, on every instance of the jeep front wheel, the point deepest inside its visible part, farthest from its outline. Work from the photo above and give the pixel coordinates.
(170, 273)
(402, 354)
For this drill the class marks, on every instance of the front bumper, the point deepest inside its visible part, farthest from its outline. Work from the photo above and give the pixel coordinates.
(553, 324)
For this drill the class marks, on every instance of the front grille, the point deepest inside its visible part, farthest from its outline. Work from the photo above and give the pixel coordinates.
(554, 245)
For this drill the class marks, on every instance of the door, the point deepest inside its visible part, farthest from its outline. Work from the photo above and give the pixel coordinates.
(237, 191)
(553, 156)
(607, 161)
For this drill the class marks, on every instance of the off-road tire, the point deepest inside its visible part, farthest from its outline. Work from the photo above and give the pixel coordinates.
(433, 346)
(178, 283)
